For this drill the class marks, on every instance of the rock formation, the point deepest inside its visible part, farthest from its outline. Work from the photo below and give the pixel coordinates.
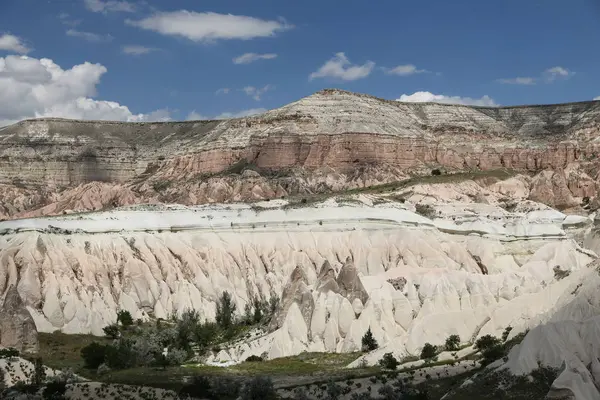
(329, 141)
(17, 327)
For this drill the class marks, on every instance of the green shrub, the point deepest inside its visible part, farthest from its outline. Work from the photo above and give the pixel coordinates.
(124, 317)
(112, 331)
(93, 355)
(452, 342)
(388, 361)
(254, 358)
(9, 353)
(428, 352)
(259, 388)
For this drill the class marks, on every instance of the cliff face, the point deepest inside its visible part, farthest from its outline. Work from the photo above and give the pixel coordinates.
(367, 139)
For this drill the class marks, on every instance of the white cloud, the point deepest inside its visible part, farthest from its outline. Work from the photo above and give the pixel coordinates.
(554, 73)
(256, 93)
(89, 36)
(339, 67)
(105, 6)
(404, 70)
(248, 58)
(136, 50)
(223, 91)
(422, 97)
(518, 81)
(66, 19)
(34, 88)
(10, 42)
(597, 98)
(209, 26)
(241, 114)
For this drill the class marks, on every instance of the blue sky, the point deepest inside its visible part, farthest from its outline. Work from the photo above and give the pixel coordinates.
(166, 59)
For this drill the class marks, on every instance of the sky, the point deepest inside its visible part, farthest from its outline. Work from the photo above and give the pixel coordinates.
(159, 60)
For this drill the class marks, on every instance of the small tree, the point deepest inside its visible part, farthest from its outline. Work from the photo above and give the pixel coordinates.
(112, 331)
(452, 342)
(486, 342)
(368, 341)
(39, 373)
(257, 317)
(428, 352)
(225, 311)
(124, 317)
(93, 355)
(506, 333)
(205, 334)
(388, 361)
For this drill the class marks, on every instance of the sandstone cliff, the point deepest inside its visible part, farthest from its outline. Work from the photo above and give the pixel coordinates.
(329, 141)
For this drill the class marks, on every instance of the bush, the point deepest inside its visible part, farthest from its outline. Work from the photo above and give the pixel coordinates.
(112, 331)
(124, 317)
(436, 172)
(389, 361)
(452, 342)
(486, 342)
(368, 341)
(55, 390)
(254, 359)
(93, 355)
(259, 388)
(120, 355)
(428, 352)
(9, 353)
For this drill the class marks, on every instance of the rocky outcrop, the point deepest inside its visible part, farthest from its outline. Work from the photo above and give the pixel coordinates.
(326, 281)
(17, 327)
(349, 283)
(360, 140)
(296, 291)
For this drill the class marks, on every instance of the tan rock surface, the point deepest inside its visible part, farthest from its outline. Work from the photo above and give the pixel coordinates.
(332, 140)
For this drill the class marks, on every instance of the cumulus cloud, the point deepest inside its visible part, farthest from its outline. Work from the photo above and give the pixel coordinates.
(422, 97)
(136, 50)
(13, 43)
(340, 67)
(256, 93)
(404, 70)
(209, 26)
(554, 73)
(89, 36)
(518, 81)
(241, 114)
(248, 58)
(223, 91)
(597, 98)
(106, 6)
(35, 88)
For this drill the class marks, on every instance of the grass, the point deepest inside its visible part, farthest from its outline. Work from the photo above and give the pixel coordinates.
(60, 351)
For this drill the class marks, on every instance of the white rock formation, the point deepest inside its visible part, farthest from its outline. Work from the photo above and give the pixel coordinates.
(467, 273)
